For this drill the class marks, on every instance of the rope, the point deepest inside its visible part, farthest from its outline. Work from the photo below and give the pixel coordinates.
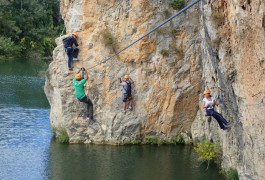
(148, 33)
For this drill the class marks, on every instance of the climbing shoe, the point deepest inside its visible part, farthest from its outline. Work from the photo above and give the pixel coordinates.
(130, 108)
(123, 111)
(229, 125)
(92, 119)
(70, 69)
(75, 59)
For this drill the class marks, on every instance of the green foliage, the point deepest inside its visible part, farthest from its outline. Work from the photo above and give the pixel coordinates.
(150, 140)
(165, 142)
(8, 48)
(230, 174)
(177, 4)
(206, 151)
(134, 142)
(178, 140)
(31, 26)
(61, 134)
(189, 135)
(164, 52)
(109, 40)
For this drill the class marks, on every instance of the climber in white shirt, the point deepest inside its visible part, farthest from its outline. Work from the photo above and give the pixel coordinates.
(208, 103)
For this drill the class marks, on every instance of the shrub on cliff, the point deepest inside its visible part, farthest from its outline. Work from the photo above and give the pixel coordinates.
(61, 135)
(177, 4)
(208, 151)
(108, 39)
(230, 174)
(164, 53)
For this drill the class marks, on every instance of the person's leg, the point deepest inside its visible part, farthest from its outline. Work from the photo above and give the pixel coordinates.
(89, 106)
(220, 117)
(124, 100)
(70, 57)
(124, 106)
(217, 117)
(210, 112)
(75, 52)
(130, 103)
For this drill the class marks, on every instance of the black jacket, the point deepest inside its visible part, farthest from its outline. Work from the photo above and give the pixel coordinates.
(69, 41)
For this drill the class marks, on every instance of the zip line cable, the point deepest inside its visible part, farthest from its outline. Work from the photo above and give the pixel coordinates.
(151, 31)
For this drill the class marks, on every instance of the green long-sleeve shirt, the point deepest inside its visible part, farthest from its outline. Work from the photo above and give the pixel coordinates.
(79, 88)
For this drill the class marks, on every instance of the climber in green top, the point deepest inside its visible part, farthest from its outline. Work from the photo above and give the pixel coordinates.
(79, 83)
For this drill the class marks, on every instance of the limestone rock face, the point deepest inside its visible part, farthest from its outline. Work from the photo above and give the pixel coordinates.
(165, 66)
(233, 52)
(216, 45)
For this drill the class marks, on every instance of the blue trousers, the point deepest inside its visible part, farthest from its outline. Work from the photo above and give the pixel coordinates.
(71, 53)
(219, 118)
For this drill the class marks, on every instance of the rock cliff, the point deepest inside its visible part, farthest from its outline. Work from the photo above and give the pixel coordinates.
(216, 45)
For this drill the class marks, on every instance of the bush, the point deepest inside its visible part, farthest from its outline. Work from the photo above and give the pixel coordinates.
(151, 140)
(155, 141)
(164, 52)
(61, 135)
(109, 40)
(178, 140)
(230, 174)
(134, 142)
(177, 4)
(208, 151)
(8, 49)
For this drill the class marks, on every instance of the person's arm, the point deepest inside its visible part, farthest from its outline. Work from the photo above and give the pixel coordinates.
(216, 102)
(75, 42)
(86, 75)
(120, 82)
(79, 71)
(204, 105)
(132, 81)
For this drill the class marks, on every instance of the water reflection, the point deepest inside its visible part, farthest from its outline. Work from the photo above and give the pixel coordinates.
(21, 85)
(126, 162)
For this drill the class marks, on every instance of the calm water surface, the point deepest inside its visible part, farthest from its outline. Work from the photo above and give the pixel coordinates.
(28, 152)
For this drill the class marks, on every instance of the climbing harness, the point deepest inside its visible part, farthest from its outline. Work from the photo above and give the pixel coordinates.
(148, 33)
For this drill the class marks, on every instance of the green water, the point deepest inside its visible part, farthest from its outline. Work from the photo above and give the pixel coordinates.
(28, 151)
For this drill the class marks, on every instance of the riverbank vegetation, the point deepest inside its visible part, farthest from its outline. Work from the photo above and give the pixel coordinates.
(153, 140)
(61, 135)
(28, 29)
(210, 152)
(230, 174)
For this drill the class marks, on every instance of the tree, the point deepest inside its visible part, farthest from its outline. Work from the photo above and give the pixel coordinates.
(30, 25)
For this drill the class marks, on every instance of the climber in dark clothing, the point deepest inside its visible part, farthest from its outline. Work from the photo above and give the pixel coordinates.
(127, 92)
(71, 52)
(79, 83)
(208, 103)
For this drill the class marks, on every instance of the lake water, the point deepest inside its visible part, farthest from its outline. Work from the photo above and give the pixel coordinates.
(28, 151)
